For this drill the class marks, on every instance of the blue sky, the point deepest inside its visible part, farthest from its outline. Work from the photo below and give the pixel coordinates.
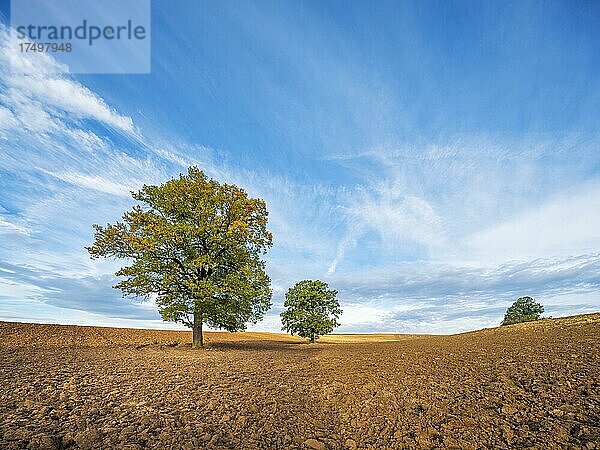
(432, 161)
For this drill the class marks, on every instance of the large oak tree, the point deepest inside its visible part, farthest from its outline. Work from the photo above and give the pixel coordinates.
(196, 245)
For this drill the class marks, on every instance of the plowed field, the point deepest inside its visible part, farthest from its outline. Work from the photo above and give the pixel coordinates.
(534, 385)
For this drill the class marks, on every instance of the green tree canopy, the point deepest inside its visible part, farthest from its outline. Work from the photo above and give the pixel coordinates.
(525, 309)
(196, 244)
(312, 309)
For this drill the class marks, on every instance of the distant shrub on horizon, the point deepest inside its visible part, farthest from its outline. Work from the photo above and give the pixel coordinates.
(525, 309)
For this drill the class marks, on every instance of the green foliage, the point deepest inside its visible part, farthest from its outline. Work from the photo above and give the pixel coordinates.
(312, 309)
(525, 309)
(197, 245)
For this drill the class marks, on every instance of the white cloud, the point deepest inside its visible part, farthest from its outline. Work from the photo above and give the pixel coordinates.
(422, 280)
(391, 212)
(7, 227)
(363, 315)
(100, 184)
(31, 82)
(69, 97)
(566, 224)
(396, 215)
(7, 119)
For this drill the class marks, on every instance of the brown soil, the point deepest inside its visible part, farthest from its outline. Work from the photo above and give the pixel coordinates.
(532, 385)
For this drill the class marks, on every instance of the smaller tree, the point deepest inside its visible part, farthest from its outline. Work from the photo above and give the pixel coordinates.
(525, 309)
(312, 309)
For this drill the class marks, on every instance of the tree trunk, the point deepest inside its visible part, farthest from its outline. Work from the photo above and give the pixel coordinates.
(198, 337)
(312, 338)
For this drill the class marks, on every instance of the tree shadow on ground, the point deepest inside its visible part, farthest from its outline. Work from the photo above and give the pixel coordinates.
(256, 345)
